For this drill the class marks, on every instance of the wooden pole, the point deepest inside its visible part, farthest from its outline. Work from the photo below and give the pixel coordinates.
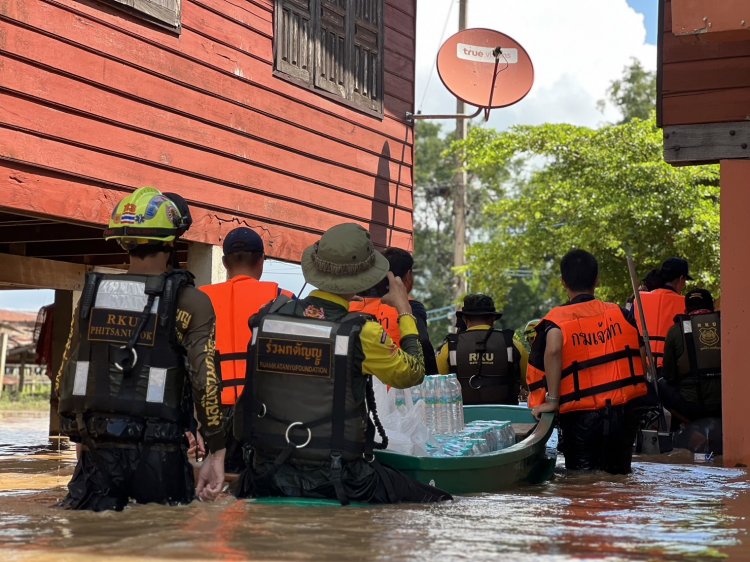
(3, 352)
(459, 196)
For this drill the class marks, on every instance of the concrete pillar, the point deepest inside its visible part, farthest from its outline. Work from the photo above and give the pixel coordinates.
(204, 261)
(735, 309)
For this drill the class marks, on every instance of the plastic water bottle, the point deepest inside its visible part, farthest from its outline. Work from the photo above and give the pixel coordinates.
(399, 397)
(417, 393)
(456, 403)
(444, 414)
(430, 400)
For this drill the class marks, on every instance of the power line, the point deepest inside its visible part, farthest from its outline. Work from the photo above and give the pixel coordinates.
(434, 62)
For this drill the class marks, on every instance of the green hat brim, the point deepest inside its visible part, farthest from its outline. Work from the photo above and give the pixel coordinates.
(343, 284)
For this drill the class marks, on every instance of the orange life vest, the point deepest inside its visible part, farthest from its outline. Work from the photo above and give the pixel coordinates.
(659, 307)
(234, 302)
(383, 313)
(601, 362)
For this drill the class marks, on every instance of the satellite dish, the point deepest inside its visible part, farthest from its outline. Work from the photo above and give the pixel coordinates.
(485, 68)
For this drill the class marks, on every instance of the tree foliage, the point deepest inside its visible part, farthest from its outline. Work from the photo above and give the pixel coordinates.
(634, 94)
(607, 191)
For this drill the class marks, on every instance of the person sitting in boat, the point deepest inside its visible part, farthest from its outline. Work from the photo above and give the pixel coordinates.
(401, 264)
(691, 383)
(485, 360)
(587, 364)
(309, 420)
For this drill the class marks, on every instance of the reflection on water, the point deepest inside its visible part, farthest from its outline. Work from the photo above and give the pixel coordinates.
(660, 512)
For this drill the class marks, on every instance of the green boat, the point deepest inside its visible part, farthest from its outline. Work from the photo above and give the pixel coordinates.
(525, 462)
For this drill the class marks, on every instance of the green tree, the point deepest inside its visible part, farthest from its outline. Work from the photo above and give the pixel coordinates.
(433, 222)
(607, 191)
(634, 94)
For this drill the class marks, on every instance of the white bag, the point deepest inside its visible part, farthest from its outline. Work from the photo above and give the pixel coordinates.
(404, 425)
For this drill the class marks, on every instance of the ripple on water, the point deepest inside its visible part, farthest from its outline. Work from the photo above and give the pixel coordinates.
(660, 512)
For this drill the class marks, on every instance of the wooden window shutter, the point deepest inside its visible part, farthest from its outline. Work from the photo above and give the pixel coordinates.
(367, 55)
(332, 47)
(162, 11)
(293, 44)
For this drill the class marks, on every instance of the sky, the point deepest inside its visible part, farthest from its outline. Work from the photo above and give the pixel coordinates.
(577, 47)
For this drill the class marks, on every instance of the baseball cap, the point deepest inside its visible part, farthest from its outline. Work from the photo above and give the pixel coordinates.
(699, 299)
(242, 239)
(673, 268)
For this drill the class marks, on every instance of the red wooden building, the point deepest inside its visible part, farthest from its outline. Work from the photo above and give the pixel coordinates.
(283, 115)
(287, 116)
(704, 108)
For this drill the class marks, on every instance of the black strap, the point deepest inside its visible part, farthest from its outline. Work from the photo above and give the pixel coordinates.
(336, 473)
(136, 232)
(88, 296)
(607, 358)
(541, 383)
(602, 388)
(657, 338)
(239, 356)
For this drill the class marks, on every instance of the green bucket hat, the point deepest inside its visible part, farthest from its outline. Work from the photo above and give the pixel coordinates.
(344, 261)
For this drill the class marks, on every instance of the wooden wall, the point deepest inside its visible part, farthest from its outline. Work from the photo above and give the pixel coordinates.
(94, 102)
(704, 77)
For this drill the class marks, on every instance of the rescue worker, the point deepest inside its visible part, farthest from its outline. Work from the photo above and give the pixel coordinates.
(401, 264)
(691, 383)
(662, 304)
(140, 344)
(586, 363)
(523, 344)
(235, 301)
(309, 420)
(485, 360)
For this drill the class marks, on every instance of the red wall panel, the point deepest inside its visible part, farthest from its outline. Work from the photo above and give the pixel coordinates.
(109, 103)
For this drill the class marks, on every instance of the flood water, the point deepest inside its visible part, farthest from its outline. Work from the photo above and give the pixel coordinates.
(660, 512)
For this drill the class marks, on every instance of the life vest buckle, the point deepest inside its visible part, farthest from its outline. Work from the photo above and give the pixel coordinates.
(126, 361)
(263, 413)
(289, 441)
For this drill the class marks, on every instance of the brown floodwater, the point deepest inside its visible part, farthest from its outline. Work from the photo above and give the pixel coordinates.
(677, 511)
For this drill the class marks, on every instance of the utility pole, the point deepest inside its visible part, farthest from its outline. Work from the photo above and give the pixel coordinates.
(459, 196)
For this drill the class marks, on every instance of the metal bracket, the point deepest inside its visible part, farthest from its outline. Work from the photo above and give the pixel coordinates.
(411, 117)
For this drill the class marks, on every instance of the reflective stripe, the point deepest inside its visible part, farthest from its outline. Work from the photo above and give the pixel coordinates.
(81, 378)
(157, 379)
(296, 329)
(687, 326)
(123, 295)
(452, 357)
(255, 337)
(342, 345)
(510, 355)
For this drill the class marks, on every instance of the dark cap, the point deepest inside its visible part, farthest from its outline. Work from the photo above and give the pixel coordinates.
(699, 299)
(674, 268)
(242, 240)
(478, 305)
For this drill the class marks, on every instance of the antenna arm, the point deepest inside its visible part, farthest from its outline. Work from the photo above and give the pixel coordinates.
(411, 117)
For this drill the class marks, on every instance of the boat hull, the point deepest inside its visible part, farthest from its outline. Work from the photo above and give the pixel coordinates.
(525, 462)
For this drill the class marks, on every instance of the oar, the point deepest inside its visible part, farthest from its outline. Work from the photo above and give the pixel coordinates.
(650, 361)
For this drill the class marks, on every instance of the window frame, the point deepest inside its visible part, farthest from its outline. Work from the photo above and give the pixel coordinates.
(292, 74)
(129, 7)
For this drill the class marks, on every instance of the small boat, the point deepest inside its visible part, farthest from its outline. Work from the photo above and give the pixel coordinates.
(525, 462)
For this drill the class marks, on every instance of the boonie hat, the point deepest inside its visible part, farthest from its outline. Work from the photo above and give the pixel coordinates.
(344, 261)
(673, 268)
(242, 239)
(478, 305)
(699, 299)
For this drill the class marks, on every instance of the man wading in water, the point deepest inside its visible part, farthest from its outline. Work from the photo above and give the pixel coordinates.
(140, 344)
(586, 362)
(309, 418)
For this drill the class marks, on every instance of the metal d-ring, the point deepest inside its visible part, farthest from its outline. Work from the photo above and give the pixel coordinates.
(309, 435)
(264, 411)
(471, 384)
(369, 457)
(135, 357)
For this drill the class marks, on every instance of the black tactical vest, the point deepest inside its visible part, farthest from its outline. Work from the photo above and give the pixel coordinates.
(307, 399)
(483, 361)
(701, 335)
(127, 365)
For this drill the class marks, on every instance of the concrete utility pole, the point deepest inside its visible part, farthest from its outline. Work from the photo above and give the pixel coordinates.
(459, 196)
